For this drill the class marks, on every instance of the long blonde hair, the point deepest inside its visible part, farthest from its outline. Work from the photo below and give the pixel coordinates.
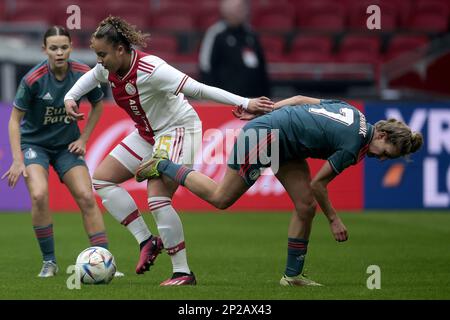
(400, 135)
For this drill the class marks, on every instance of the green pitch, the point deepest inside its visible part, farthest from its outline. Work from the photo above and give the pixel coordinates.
(242, 256)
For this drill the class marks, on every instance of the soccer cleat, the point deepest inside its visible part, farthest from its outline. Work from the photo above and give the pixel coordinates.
(149, 169)
(119, 274)
(180, 279)
(49, 269)
(148, 254)
(299, 280)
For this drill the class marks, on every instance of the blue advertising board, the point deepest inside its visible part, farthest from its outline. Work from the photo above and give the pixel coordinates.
(424, 180)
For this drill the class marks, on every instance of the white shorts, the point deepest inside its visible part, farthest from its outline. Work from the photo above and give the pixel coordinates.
(181, 144)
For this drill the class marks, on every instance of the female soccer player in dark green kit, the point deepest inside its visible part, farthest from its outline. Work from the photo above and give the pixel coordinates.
(299, 128)
(41, 134)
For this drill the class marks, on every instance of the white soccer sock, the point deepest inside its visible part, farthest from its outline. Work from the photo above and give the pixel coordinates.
(171, 231)
(123, 208)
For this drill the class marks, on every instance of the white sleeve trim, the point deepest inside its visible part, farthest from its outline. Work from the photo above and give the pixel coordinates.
(207, 45)
(195, 89)
(85, 84)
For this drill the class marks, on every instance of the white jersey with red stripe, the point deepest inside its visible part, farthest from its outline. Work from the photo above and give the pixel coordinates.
(151, 94)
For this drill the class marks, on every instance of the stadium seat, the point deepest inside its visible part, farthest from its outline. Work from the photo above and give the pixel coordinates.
(27, 11)
(160, 44)
(432, 6)
(403, 43)
(357, 48)
(429, 16)
(428, 22)
(171, 21)
(311, 49)
(322, 15)
(206, 17)
(274, 22)
(358, 14)
(119, 7)
(273, 47)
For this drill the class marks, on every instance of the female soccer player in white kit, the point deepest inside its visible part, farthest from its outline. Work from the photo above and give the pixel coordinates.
(152, 93)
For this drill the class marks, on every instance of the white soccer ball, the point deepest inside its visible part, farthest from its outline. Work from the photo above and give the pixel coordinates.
(96, 265)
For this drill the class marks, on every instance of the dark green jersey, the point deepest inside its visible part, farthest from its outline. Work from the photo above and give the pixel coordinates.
(41, 96)
(332, 130)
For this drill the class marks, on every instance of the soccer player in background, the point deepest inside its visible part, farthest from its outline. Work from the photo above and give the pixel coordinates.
(41, 134)
(306, 128)
(153, 94)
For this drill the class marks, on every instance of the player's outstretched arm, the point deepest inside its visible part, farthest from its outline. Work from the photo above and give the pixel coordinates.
(17, 167)
(202, 91)
(296, 100)
(319, 186)
(83, 85)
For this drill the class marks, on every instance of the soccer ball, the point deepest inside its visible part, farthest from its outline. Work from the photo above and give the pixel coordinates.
(96, 265)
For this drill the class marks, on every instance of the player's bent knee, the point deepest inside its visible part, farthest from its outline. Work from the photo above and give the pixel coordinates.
(85, 199)
(221, 202)
(39, 198)
(306, 210)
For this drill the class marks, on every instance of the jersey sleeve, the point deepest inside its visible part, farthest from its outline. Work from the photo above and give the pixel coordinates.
(100, 73)
(24, 97)
(84, 85)
(341, 160)
(165, 77)
(95, 95)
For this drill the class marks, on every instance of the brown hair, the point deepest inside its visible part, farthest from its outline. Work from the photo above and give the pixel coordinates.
(400, 135)
(118, 31)
(56, 31)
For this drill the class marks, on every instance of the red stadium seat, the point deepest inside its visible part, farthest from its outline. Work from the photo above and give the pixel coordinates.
(360, 49)
(432, 6)
(403, 43)
(119, 7)
(429, 16)
(32, 12)
(160, 44)
(273, 47)
(428, 22)
(274, 22)
(322, 15)
(206, 17)
(358, 14)
(172, 22)
(311, 49)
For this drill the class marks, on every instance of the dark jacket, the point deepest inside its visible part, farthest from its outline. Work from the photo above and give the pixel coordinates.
(231, 58)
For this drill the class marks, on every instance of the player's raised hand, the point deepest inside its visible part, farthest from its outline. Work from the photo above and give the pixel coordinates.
(72, 110)
(15, 171)
(339, 230)
(78, 147)
(260, 105)
(242, 114)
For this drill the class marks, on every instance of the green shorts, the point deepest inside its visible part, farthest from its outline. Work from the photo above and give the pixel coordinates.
(61, 158)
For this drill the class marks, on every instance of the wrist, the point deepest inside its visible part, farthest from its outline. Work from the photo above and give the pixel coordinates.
(246, 103)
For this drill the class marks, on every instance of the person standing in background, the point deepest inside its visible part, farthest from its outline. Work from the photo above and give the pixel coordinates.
(231, 56)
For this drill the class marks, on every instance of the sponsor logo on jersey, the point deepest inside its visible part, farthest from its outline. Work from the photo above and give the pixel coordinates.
(47, 96)
(130, 89)
(30, 154)
(55, 115)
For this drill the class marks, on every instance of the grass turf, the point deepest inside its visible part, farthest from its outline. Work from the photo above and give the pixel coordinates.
(242, 256)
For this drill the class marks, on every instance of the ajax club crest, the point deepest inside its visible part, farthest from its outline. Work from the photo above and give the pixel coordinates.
(130, 89)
